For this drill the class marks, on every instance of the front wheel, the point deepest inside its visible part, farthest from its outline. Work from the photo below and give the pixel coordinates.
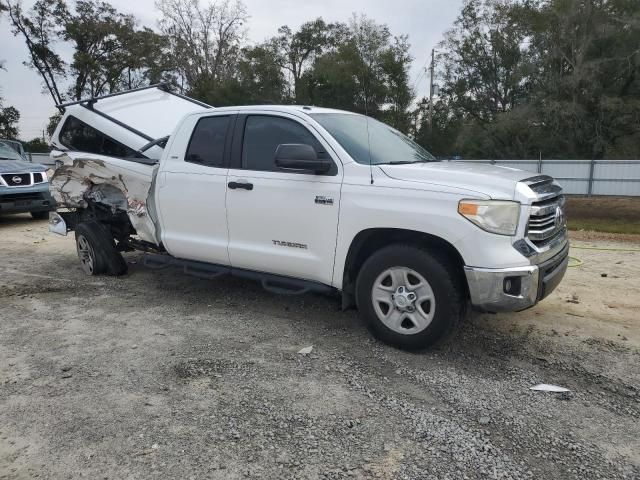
(409, 297)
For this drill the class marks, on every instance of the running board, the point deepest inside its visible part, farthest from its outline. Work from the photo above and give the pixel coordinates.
(278, 284)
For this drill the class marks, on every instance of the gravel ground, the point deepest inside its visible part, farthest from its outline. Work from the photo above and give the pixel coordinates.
(161, 375)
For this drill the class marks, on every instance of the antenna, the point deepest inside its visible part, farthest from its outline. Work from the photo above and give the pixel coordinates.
(369, 142)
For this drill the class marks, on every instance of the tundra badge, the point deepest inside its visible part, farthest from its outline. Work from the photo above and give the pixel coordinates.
(322, 200)
(282, 243)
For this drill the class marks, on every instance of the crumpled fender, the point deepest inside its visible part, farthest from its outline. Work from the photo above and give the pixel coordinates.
(120, 184)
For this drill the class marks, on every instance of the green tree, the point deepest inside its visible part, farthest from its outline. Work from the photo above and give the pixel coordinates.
(52, 124)
(110, 53)
(442, 139)
(296, 51)
(41, 28)
(9, 117)
(484, 70)
(587, 83)
(560, 78)
(37, 145)
(257, 79)
(367, 73)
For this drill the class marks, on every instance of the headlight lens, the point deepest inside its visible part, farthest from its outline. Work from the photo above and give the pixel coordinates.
(495, 216)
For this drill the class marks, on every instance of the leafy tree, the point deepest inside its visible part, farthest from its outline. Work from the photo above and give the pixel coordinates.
(40, 29)
(52, 124)
(587, 83)
(485, 73)
(366, 73)
(260, 76)
(296, 51)
(395, 62)
(37, 145)
(9, 117)
(558, 78)
(441, 139)
(110, 54)
(257, 79)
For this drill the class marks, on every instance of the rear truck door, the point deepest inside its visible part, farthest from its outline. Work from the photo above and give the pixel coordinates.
(191, 188)
(282, 222)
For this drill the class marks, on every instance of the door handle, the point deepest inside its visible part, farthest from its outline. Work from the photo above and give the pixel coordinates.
(244, 185)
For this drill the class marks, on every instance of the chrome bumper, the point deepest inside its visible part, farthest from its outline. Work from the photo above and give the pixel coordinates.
(518, 288)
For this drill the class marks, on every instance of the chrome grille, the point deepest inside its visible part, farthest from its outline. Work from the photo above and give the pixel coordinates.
(546, 220)
(17, 179)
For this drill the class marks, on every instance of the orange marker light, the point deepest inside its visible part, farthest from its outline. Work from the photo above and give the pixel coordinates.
(467, 208)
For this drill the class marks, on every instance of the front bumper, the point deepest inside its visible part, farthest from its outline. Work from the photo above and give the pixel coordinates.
(518, 288)
(26, 199)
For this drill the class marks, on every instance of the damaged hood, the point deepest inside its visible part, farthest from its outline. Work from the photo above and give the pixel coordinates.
(494, 181)
(117, 183)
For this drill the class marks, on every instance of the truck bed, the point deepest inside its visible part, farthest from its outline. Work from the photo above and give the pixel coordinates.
(122, 184)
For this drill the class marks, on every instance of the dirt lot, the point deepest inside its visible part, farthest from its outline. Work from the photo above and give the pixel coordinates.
(160, 375)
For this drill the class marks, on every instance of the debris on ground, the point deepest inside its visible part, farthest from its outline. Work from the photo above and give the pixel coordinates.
(545, 387)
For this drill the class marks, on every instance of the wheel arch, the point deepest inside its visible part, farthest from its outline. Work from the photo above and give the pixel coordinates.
(368, 241)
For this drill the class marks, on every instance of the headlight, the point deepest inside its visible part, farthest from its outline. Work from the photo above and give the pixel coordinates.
(45, 176)
(495, 216)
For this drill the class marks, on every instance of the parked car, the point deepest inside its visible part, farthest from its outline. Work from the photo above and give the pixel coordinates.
(24, 186)
(313, 199)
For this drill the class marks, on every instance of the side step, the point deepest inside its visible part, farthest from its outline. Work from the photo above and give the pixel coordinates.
(273, 283)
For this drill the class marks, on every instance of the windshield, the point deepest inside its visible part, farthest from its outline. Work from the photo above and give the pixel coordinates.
(377, 144)
(8, 153)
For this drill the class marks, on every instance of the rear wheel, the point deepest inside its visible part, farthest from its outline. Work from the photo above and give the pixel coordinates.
(40, 215)
(97, 251)
(409, 297)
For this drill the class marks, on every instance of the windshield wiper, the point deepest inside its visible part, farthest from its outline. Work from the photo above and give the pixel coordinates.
(403, 162)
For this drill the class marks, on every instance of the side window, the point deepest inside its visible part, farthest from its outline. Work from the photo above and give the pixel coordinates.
(263, 134)
(77, 135)
(207, 142)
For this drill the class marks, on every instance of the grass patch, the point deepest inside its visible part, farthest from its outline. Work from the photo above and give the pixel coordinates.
(602, 225)
(604, 214)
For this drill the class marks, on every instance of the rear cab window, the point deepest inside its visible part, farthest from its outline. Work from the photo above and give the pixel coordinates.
(208, 140)
(79, 136)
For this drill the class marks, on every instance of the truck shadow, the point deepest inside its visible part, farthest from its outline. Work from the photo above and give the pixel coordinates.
(310, 313)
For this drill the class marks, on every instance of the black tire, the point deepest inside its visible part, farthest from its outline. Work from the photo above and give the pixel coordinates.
(97, 251)
(40, 215)
(445, 285)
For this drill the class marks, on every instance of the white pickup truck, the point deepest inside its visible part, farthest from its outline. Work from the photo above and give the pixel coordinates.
(306, 199)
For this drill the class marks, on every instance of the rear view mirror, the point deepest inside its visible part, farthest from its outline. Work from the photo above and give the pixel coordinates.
(298, 156)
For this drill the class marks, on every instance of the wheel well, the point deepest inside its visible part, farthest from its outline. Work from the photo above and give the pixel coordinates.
(369, 241)
(116, 221)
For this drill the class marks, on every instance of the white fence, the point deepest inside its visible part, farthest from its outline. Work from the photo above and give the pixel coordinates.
(583, 177)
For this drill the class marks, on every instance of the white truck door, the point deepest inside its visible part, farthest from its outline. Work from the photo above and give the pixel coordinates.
(281, 222)
(191, 188)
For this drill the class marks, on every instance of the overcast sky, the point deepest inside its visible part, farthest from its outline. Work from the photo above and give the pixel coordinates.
(423, 20)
